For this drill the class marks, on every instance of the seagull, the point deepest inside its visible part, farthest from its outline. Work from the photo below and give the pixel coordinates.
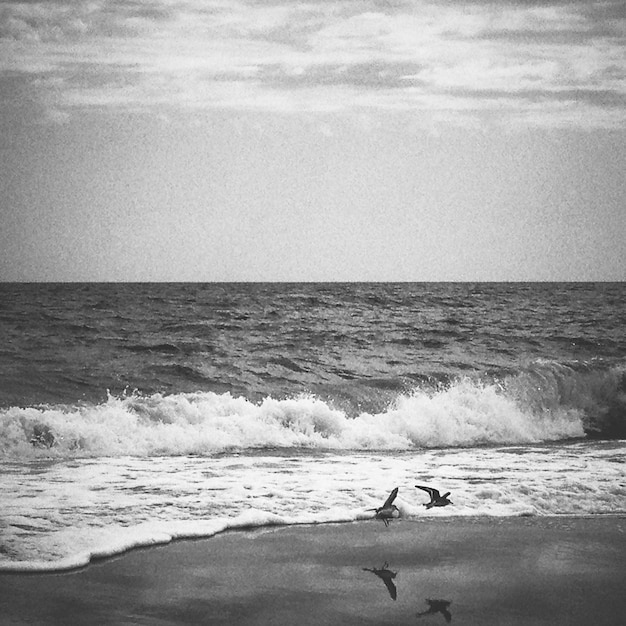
(385, 512)
(436, 499)
(438, 606)
(387, 577)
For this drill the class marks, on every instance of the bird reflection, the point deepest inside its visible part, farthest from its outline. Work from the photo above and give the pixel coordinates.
(387, 510)
(437, 606)
(387, 577)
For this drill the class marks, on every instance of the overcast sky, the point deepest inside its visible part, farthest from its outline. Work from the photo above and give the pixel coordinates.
(326, 140)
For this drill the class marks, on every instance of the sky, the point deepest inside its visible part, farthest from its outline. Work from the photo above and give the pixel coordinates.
(329, 140)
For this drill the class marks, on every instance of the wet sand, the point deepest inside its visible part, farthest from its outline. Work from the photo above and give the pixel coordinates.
(489, 570)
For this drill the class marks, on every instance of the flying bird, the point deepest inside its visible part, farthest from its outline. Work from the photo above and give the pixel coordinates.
(436, 499)
(386, 511)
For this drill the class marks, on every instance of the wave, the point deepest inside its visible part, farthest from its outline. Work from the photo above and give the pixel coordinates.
(548, 402)
(165, 348)
(118, 540)
(149, 501)
(596, 393)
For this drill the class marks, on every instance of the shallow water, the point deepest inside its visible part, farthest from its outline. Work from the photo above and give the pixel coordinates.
(61, 513)
(131, 414)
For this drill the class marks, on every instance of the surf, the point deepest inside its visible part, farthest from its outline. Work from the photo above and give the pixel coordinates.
(537, 405)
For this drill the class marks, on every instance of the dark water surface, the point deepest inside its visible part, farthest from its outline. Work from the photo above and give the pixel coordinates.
(357, 345)
(132, 414)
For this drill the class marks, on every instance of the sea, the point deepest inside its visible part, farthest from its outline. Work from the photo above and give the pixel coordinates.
(133, 414)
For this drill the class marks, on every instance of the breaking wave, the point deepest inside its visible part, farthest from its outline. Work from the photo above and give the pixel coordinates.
(548, 402)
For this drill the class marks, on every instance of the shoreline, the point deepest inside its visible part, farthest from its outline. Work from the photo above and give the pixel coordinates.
(522, 570)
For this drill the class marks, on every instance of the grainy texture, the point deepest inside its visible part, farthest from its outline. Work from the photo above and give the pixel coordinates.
(491, 570)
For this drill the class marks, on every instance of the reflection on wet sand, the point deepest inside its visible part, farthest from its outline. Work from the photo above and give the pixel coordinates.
(387, 576)
(437, 606)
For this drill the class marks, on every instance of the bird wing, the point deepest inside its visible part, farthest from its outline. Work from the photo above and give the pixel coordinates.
(391, 498)
(431, 491)
(391, 588)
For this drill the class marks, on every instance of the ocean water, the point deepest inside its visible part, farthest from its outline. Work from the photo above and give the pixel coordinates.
(132, 414)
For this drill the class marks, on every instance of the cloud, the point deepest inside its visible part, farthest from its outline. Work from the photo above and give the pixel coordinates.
(428, 57)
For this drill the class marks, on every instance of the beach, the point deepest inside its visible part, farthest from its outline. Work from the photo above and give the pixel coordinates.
(525, 570)
(218, 460)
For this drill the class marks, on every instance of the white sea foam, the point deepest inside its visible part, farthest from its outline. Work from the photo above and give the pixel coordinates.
(60, 514)
(466, 413)
(83, 482)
